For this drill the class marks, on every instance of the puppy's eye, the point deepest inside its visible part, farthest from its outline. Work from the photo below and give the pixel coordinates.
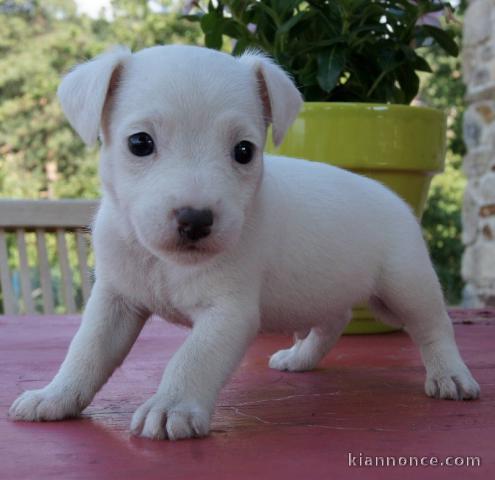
(141, 144)
(243, 152)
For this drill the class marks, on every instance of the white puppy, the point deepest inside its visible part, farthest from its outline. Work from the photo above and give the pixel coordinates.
(198, 226)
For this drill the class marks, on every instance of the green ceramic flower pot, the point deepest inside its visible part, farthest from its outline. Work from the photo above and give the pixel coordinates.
(398, 145)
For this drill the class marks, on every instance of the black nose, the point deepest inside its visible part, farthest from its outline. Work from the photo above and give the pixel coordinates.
(194, 224)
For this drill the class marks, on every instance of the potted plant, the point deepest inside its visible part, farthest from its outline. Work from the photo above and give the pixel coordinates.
(356, 62)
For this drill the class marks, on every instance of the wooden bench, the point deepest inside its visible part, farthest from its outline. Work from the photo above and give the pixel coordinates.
(48, 224)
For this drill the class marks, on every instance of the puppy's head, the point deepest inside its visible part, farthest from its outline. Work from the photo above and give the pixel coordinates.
(182, 131)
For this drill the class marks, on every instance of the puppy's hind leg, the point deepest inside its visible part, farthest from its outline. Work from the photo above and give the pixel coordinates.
(309, 349)
(409, 294)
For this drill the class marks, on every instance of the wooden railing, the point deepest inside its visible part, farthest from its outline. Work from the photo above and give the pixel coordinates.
(34, 260)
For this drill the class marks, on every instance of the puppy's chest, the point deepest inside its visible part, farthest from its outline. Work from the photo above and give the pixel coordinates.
(165, 293)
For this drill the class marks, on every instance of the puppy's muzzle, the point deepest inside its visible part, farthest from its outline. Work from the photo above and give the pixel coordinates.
(192, 224)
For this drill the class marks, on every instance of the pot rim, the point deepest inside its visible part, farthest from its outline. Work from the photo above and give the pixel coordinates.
(368, 136)
(375, 107)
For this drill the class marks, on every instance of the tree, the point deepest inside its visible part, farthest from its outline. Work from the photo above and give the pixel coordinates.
(442, 225)
(41, 156)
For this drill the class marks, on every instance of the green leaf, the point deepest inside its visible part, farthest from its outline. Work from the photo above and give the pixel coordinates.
(191, 18)
(213, 40)
(285, 28)
(421, 64)
(233, 29)
(237, 7)
(267, 10)
(408, 81)
(307, 75)
(318, 46)
(442, 37)
(211, 24)
(285, 6)
(330, 66)
(416, 61)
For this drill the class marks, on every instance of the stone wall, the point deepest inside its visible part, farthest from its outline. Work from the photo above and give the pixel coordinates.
(478, 265)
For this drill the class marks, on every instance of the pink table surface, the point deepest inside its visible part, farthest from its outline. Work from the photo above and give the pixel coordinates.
(366, 398)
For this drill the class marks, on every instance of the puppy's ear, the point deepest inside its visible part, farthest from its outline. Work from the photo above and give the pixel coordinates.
(84, 90)
(280, 97)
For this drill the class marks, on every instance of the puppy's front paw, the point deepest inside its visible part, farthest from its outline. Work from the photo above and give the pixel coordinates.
(157, 419)
(454, 385)
(44, 405)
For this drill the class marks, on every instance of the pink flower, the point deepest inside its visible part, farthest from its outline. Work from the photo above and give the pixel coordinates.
(434, 18)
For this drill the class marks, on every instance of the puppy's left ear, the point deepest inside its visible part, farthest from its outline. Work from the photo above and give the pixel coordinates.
(280, 98)
(84, 90)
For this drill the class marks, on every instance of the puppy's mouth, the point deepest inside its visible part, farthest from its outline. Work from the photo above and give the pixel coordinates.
(187, 247)
(190, 253)
(207, 246)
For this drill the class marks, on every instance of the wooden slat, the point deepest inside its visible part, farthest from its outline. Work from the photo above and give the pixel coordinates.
(63, 259)
(45, 273)
(26, 287)
(9, 300)
(82, 256)
(46, 213)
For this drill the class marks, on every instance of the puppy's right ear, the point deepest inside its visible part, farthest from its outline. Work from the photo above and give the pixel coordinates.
(280, 97)
(84, 90)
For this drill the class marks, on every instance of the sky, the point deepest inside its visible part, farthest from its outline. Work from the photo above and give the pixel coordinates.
(92, 7)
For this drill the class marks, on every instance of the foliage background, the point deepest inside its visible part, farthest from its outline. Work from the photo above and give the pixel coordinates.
(41, 157)
(442, 219)
(338, 50)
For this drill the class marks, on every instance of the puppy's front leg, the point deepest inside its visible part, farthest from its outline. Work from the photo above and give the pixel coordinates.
(108, 330)
(185, 400)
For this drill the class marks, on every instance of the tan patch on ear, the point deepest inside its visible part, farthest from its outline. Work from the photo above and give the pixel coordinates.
(109, 99)
(265, 98)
